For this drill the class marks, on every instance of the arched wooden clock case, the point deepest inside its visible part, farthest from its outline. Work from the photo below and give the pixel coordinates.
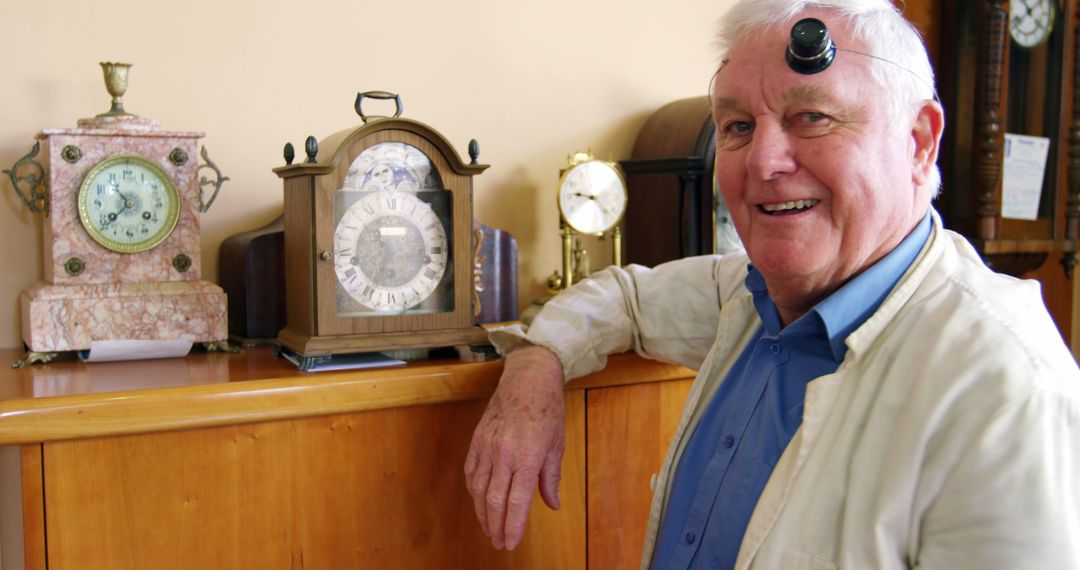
(336, 300)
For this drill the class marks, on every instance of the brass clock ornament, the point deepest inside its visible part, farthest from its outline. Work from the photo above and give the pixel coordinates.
(380, 250)
(121, 199)
(592, 201)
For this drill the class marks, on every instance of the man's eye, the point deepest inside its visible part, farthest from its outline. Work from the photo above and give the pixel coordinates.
(810, 124)
(738, 128)
(734, 134)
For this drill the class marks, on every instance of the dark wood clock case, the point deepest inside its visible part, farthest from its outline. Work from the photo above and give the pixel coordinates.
(670, 201)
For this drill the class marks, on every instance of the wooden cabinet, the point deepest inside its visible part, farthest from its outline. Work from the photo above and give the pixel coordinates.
(257, 466)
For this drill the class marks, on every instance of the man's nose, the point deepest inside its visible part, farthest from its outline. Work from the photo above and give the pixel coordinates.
(771, 153)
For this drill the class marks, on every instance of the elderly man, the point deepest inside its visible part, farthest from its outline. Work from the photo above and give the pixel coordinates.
(869, 394)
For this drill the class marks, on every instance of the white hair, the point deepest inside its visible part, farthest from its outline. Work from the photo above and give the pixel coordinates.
(900, 64)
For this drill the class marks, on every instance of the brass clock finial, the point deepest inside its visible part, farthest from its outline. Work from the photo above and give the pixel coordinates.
(116, 82)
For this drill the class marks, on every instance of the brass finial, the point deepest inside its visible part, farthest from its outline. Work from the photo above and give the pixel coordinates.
(116, 82)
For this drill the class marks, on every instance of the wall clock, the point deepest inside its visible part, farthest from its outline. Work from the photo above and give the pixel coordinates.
(380, 245)
(121, 234)
(1010, 67)
(1031, 21)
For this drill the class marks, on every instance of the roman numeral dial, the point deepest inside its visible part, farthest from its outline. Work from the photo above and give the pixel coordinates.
(390, 251)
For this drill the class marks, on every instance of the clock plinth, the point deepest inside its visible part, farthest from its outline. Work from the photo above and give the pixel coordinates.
(57, 318)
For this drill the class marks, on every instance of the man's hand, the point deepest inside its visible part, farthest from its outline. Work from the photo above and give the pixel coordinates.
(519, 440)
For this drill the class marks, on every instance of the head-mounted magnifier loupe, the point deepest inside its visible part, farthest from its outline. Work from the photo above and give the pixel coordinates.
(811, 50)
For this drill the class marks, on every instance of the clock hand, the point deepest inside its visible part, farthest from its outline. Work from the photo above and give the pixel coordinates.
(114, 216)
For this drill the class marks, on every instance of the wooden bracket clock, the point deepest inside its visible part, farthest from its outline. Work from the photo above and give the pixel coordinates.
(121, 200)
(380, 245)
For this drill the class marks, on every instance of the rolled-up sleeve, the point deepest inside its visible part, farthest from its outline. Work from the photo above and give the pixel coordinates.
(668, 313)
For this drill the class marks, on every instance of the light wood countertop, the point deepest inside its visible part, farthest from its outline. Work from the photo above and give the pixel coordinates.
(70, 400)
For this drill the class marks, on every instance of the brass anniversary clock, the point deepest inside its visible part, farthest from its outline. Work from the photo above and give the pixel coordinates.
(379, 240)
(121, 234)
(592, 201)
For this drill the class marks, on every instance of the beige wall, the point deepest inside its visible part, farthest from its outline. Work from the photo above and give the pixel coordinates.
(531, 81)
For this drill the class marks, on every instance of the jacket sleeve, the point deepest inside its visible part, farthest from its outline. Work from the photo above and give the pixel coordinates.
(1013, 499)
(668, 313)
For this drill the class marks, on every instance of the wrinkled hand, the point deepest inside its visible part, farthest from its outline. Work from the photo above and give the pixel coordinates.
(519, 440)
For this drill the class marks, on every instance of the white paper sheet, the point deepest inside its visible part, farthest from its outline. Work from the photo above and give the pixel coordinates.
(111, 350)
(1024, 168)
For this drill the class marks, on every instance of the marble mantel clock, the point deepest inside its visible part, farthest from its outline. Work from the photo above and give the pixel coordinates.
(121, 200)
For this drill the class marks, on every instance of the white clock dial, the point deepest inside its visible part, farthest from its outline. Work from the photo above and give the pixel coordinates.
(1031, 21)
(128, 204)
(390, 251)
(592, 197)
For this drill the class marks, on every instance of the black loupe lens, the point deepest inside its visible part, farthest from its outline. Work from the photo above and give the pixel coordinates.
(811, 49)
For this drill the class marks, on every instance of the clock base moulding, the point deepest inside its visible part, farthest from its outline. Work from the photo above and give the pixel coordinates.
(314, 346)
(57, 318)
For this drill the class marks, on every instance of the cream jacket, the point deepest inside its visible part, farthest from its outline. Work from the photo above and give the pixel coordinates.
(949, 437)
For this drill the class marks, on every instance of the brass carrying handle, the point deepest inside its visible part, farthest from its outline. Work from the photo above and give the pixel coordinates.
(385, 95)
(218, 180)
(28, 180)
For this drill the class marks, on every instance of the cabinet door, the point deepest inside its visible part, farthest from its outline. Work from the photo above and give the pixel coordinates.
(380, 489)
(629, 430)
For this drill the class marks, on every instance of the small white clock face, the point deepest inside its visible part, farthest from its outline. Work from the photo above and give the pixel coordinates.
(592, 197)
(1031, 21)
(128, 204)
(390, 251)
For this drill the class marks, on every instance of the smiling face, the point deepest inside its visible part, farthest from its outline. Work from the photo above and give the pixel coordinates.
(820, 181)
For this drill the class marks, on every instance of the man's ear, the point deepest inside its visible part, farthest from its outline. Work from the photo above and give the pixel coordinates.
(926, 136)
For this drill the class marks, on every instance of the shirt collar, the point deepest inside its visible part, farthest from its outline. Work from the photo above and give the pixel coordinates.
(836, 316)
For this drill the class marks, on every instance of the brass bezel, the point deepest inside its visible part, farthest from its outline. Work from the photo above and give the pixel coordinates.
(576, 163)
(171, 193)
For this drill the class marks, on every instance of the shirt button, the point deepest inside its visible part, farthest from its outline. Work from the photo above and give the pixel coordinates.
(729, 441)
(690, 538)
(775, 348)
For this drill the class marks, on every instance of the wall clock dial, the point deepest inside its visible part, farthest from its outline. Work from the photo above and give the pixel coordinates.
(128, 204)
(1031, 21)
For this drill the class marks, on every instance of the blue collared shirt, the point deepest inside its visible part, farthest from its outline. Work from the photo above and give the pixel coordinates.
(757, 409)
